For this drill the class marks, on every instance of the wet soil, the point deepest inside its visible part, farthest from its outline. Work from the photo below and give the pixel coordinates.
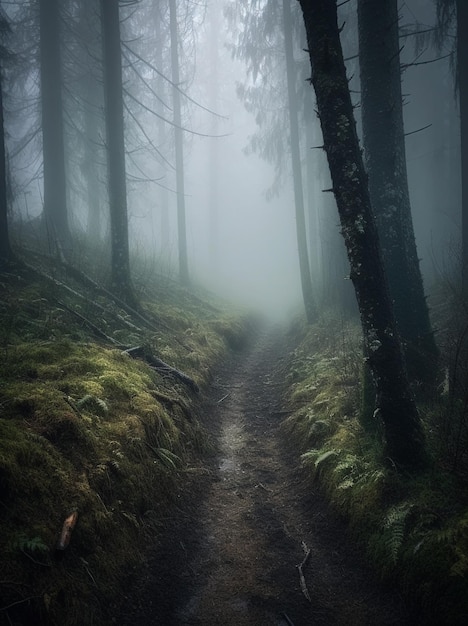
(229, 553)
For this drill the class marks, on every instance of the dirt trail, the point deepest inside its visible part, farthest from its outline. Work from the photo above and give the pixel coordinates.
(230, 558)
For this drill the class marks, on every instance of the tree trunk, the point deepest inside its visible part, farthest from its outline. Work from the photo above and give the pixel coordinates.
(462, 66)
(385, 159)
(92, 106)
(395, 407)
(214, 168)
(179, 148)
(5, 249)
(301, 231)
(311, 178)
(164, 230)
(115, 148)
(53, 147)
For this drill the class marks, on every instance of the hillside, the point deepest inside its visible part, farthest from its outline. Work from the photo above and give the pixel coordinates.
(87, 428)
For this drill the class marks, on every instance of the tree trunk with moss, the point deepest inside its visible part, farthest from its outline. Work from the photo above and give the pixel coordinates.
(385, 159)
(395, 406)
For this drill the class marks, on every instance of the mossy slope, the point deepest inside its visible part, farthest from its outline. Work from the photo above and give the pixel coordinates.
(83, 426)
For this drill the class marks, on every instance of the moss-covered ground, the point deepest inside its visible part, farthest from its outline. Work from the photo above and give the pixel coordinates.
(413, 528)
(85, 427)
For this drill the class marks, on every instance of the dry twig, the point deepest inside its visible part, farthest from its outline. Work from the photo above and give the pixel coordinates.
(302, 580)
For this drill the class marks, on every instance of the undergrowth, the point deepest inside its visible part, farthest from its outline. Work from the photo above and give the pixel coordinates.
(414, 529)
(84, 427)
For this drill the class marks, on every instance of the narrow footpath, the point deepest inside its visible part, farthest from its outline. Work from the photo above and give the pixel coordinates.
(230, 554)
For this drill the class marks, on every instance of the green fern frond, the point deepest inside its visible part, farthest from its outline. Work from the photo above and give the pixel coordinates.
(347, 483)
(348, 465)
(325, 457)
(309, 457)
(395, 528)
(446, 535)
(460, 567)
(32, 545)
(93, 405)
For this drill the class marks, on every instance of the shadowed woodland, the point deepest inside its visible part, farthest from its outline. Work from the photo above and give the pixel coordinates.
(233, 312)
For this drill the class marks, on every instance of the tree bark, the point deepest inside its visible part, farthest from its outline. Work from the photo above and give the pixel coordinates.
(214, 164)
(5, 248)
(53, 147)
(301, 231)
(462, 79)
(92, 118)
(385, 159)
(161, 90)
(179, 148)
(395, 406)
(115, 148)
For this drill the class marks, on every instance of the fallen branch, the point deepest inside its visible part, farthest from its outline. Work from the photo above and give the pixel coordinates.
(79, 296)
(9, 606)
(89, 282)
(161, 366)
(290, 623)
(97, 331)
(302, 580)
(86, 566)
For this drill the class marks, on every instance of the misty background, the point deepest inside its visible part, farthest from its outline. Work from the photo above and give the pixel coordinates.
(241, 237)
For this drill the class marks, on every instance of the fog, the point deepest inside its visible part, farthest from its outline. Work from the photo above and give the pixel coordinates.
(254, 258)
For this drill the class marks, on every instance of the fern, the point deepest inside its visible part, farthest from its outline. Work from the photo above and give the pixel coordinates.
(455, 538)
(460, 567)
(347, 483)
(33, 545)
(308, 458)
(317, 458)
(329, 454)
(447, 535)
(93, 405)
(348, 465)
(395, 528)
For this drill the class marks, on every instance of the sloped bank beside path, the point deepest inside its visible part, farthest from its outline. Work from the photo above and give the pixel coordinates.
(231, 551)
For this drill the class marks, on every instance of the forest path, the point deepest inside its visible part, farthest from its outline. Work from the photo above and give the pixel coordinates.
(231, 556)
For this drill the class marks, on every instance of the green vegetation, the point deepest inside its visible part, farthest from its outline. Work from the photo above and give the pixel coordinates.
(86, 427)
(414, 528)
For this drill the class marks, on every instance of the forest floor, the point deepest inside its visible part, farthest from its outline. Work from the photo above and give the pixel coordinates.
(229, 553)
